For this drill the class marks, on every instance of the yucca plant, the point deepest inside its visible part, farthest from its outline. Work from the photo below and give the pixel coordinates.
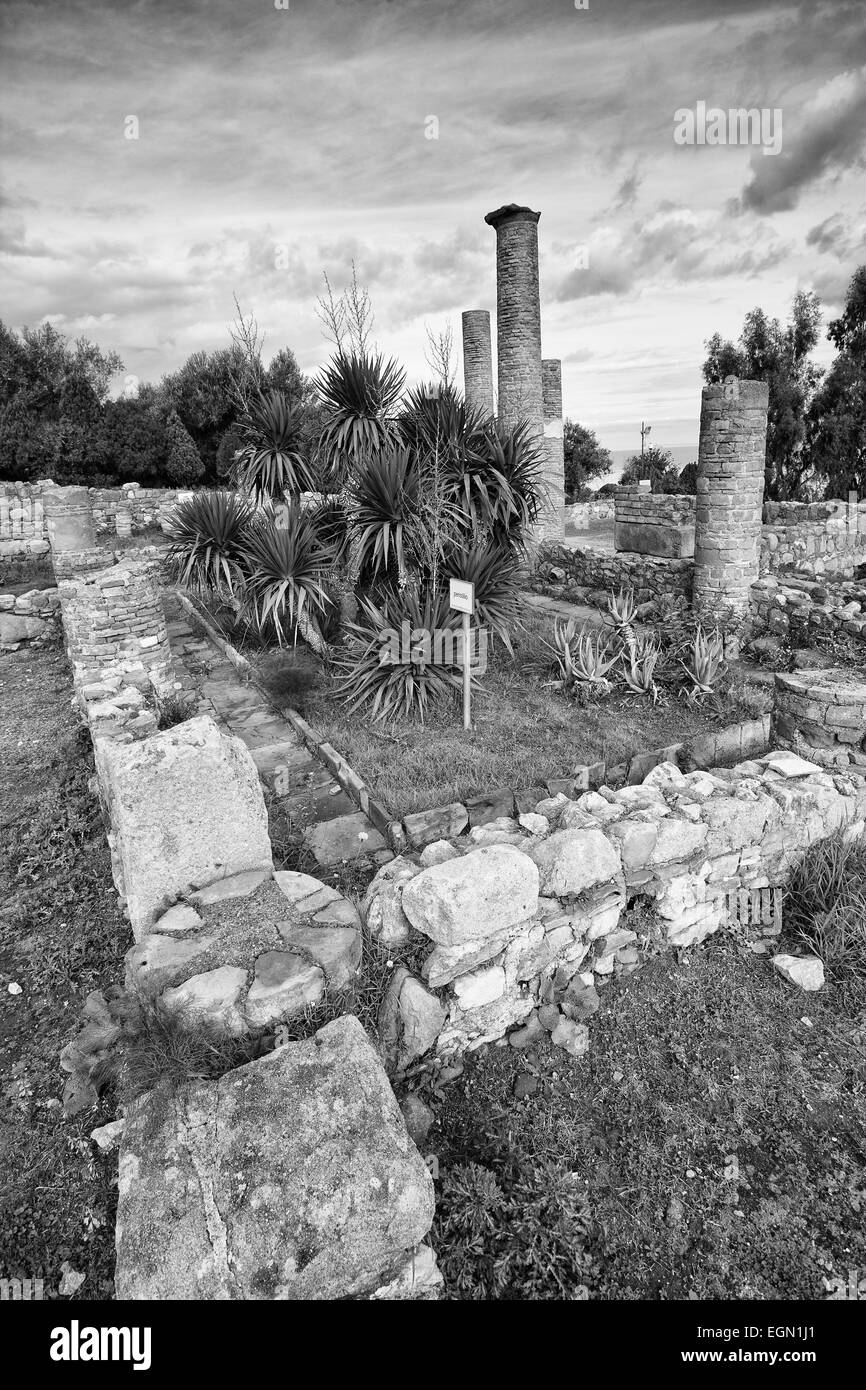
(703, 667)
(207, 538)
(493, 570)
(269, 464)
(284, 567)
(360, 394)
(383, 498)
(518, 456)
(639, 663)
(397, 689)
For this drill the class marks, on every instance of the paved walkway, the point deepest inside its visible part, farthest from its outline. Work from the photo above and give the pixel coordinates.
(314, 804)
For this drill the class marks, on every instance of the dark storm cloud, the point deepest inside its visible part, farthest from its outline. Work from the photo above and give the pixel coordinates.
(826, 137)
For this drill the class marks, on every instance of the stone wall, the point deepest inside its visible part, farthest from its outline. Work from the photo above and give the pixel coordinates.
(115, 631)
(822, 713)
(785, 607)
(31, 618)
(302, 1158)
(649, 576)
(514, 924)
(22, 521)
(584, 514)
(813, 539)
(654, 524)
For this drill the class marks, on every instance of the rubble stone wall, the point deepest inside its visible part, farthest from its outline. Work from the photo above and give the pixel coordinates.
(813, 539)
(521, 916)
(649, 576)
(823, 714)
(802, 611)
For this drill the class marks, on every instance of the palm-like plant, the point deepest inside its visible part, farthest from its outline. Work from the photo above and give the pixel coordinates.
(517, 456)
(395, 689)
(284, 567)
(493, 570)
(207, 537)
(360, 394)
(383, 499)
(269, 463)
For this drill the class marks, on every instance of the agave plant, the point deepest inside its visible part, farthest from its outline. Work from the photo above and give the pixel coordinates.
(207, 538)
(284, 567)
(621, 608)
(360, 394)
(639, 663)
(382, 500)
(582, 658)
(493, 570)
(269, 464)
(703, 667)
(397, 688)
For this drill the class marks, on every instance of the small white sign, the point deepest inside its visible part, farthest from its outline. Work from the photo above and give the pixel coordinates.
(462, 595)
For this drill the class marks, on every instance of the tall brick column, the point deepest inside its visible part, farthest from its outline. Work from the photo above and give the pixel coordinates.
(477, 361)
(730, 491)
(552, 519)
(518, 317)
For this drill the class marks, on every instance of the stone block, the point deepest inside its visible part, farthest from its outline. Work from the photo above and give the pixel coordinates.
(291, 1178)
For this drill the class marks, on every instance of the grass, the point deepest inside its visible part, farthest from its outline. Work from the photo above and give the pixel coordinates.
(825, 911)
(710, 1145)
(522, 735)
(62, 935)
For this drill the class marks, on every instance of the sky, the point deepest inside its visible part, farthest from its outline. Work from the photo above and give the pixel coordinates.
(159, 157)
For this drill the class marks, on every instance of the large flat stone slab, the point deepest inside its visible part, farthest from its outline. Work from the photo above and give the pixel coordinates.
(293, 1177)
(185, 808)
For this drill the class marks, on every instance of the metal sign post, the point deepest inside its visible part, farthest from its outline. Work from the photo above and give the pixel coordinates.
(462, 600)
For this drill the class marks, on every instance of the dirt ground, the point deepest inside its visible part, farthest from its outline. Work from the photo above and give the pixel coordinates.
(715, 1134)
(62, 934)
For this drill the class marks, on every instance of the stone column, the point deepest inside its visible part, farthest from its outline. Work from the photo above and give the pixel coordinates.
(552, 519)
(730, 491)
(477, 361)
(69, 518)
(518, 317)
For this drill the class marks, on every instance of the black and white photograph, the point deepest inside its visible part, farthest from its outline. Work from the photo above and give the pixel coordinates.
(432, 671)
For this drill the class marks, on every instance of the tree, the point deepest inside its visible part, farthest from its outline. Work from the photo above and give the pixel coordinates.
(131, 440)
(837, 416)
(202, 394)
(584, 457)
(655, 464)
(778, 354)
(183, 465)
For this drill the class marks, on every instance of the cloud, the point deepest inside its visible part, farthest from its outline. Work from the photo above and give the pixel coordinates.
(828, 137)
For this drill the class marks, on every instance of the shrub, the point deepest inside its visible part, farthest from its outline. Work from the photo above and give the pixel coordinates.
(397, 689)
(704, 664)
(494, 571)
(183, 464)
(383, 501)
(825, 906)
(513, 1234)
(207, 536)
(359, 394)
(269, 464)
(284, 566)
